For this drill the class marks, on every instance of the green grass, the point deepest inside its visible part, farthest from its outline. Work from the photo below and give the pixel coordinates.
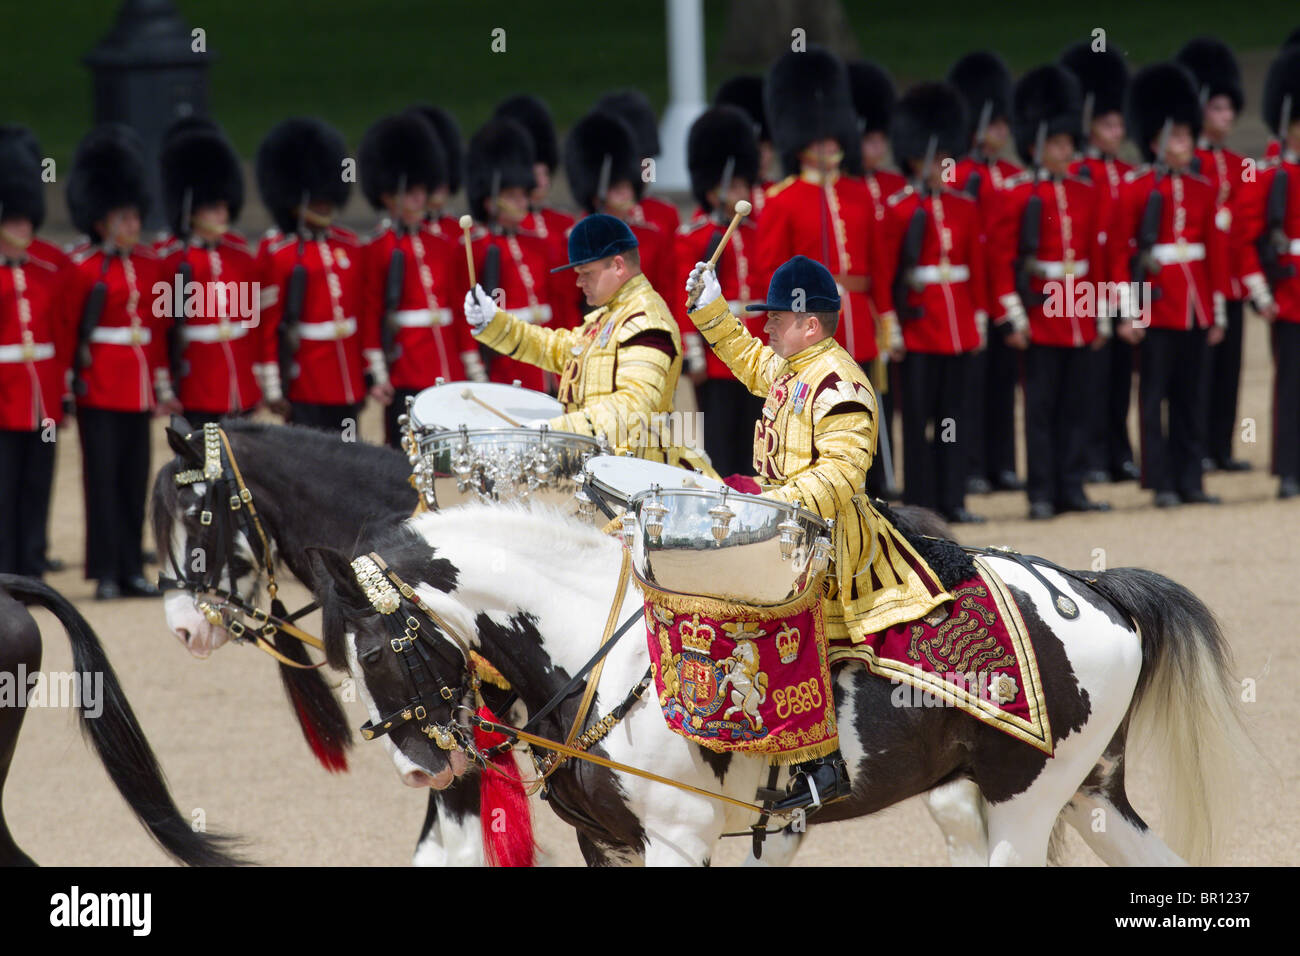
(350, 62)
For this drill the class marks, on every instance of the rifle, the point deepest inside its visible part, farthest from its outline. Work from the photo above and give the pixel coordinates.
(1274, 243)
(1142, 264)
(394, 281)
(602, 184)
(976, 180)
(289, 335)
(913, 237)
(1085, 126)
(724, 190)
(91, 312)
(185, 273)
(1031, 230)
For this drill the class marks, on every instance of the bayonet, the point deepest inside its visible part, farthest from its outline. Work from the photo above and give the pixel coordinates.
(602, 184)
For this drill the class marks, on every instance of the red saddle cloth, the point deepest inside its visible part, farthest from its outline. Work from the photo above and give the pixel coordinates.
(973, 654)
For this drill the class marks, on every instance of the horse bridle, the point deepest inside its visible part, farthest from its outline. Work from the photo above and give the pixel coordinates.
(228, 506)
(393, 598)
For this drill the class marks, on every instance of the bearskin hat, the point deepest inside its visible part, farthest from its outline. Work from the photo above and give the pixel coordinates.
(1292, 39)
(1103, 75)
(982, 77)
(1214, 68)
(1045, 95)
(108, 173)
(593, 138)
(447, 132)
(396, 150)
(632, 107)
(807, 98)
(13, 133)
(1283, 80)
(925, 110)
(719, 134)
(1161, 92)
(22, 195)
(500, 156)
(873, 95)
(200, 161)
(300, 157)
(531, 113)
(745, 92)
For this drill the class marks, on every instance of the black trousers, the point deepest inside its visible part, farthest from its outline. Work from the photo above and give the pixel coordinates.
(935, 444)
(730, 412)
(330, 418)
(396, 408)
(26, 481)
(882, 477)
(1109, 445)
(1057, 390)
(1172, 367)
(115, 480)
(1224, 384)
(1286, 399)
(992, 376)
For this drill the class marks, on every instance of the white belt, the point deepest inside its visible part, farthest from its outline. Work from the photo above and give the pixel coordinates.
(214, 332)
(1167, 253)
(121, 335)
(1056, 270)
(932, 275)
(26, 353)
(327, 331)
(422, 318)
(534, 316)
(1294, 248)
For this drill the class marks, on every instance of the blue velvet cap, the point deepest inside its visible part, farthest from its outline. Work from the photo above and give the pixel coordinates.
(800, 274)
(596, 237)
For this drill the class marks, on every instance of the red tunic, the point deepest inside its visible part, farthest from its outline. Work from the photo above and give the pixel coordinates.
(1191, 249)
(994, 175)
(553, 227)
(1224, 169)
(329, 357)
(431, 332)
(128, 348)
(837, 228)
(663, 214)
(36, 342)
(1107, 174)
(1071, 242)
(736, 274)
(221, 345)
(1250, 222)
(953, 279)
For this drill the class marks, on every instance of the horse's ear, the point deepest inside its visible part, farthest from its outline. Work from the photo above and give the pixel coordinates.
(176, 432)
(332, 572)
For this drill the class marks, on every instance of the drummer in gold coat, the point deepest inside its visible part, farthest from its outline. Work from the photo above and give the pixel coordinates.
(619, 368)
(813, 445)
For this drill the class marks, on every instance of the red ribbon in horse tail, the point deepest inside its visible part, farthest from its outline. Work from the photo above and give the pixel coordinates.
(503, 806)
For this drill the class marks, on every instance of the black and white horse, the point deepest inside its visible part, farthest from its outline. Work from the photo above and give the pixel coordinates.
(309, 488)
(530, 589)
(108, 722)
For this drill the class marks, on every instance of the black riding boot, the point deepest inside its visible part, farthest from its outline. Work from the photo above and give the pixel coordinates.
(815, 783)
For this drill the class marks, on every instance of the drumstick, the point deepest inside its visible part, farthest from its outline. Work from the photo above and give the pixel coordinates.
(466, 223)
(469, 396)
(743, 209)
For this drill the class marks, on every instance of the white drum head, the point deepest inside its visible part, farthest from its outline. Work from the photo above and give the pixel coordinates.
(626, 476)
(445, 407)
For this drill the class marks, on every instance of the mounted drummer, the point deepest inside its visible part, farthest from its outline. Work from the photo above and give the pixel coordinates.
(619, 368)
(813, 445)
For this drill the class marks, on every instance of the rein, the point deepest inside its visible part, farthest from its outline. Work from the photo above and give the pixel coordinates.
(218, 516)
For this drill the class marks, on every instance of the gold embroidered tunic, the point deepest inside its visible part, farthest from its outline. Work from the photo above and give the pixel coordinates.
(813, 445)
(616, 375)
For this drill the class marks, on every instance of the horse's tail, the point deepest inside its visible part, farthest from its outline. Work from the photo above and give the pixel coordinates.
(118, 739)
(1184, 707)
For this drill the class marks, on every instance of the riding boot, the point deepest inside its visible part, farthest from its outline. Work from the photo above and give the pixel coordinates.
(815, 783)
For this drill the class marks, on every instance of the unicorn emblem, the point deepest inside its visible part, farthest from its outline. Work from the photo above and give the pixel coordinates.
(748, 684)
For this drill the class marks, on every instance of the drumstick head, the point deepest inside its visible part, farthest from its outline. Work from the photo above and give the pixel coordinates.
(744, 207)
(467, 221)
(467, 394)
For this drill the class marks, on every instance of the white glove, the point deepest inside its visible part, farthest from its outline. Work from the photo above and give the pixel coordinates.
(705, 279)
(479, 308)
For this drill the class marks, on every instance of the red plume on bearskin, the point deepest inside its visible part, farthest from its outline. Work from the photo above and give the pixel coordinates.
(1161, 92)
(503, 806)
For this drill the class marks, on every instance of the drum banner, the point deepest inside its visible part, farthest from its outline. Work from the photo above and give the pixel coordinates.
(743, 679)
(974, 654)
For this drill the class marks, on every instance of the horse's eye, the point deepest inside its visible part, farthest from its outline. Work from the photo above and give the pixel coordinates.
(370, 656)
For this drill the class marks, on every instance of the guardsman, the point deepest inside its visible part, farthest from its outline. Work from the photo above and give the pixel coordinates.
(410, 288)
(512, 263)
(745, 92)
(813, 446)
(1167, 241)
(213, 344)
(822, 209)
(1267, 225)
(446, 132)
(120, 362)
(722, 156)
(633, 108)
(1103, 79)
(1218, 81)
(310, 272)
(36, 340)
(874, 96)
(602, 164)
(983, 80)
(1041, 252)
(548, 224)
(620, 368)
(932, 257)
